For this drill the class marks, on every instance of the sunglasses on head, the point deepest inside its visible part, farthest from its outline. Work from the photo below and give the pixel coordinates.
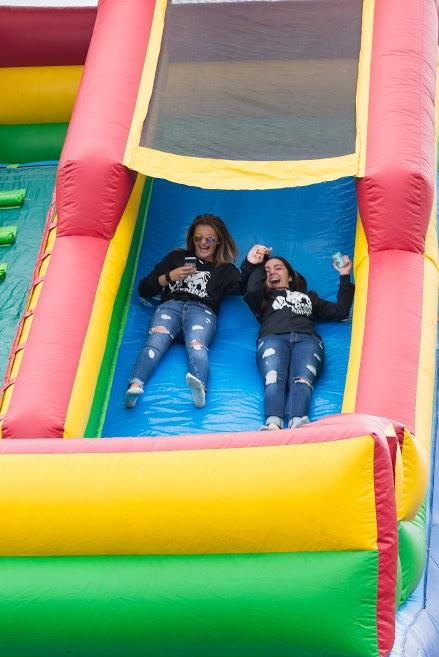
(210, 239)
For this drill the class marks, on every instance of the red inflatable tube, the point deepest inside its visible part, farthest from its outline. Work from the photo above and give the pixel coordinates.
(328, 429)
(93, 186)
(42, 391)
(388, 374)
(395, 196)
(45, 36)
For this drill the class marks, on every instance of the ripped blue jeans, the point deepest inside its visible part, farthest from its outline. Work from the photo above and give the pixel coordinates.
(289, 363)
(194, 321)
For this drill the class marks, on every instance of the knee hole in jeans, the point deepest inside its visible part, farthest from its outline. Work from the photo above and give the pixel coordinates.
(197, 345)
(299, 379)
(159, 329)
(270, 377)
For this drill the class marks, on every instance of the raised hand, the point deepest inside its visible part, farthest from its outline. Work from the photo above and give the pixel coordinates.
(346, 267)
(257, 253)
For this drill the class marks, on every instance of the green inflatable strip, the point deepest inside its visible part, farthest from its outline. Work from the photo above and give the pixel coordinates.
(412, 551)
(247, 605)
(31, 142)
(398, 595)
(12, 198)
(118, 320)
(7, 235)
(3, 270)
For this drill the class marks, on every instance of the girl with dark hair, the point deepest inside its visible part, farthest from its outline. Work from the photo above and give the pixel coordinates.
(289, 353)
(192, 282)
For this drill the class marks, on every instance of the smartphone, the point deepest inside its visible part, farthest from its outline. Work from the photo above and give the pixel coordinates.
(190, 260)
(338, 259)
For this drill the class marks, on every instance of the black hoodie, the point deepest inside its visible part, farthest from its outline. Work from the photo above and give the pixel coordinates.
(208, 285)
(283, 311)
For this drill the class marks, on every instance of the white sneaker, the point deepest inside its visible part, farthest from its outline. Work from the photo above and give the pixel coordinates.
(270, 427)
(198, 390)
(297, 422)
(132, 394)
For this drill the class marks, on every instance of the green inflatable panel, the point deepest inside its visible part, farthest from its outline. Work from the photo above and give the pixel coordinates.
(235, 605)
(7, 235)
(12, 198)
(398, 597)
(31, 143)
(412, 551)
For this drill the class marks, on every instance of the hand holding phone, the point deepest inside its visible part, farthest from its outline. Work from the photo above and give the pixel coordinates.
(338, 260)
(341, 263)
(180, 273)
(190, 260)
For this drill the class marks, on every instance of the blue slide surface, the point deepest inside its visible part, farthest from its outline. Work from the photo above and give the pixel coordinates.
(304, 224)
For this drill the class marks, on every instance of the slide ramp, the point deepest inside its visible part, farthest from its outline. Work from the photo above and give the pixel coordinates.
(305, 225)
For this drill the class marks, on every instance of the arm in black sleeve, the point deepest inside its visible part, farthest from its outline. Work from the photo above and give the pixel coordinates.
(233, 281)
(247, 268)
(338, 310)
(254, 296)
(150, 286)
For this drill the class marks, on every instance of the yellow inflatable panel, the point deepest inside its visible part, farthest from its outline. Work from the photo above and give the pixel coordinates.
(414, 477)
(94, 345)
(38, 94)
(284, 498)
(361, 269)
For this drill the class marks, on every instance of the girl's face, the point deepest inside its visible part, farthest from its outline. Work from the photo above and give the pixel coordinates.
(205, 242)
(278, 276)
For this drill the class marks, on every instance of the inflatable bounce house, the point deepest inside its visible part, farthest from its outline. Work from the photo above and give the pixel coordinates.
(167, 530)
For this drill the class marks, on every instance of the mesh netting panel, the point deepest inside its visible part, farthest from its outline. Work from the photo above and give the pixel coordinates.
(256, 80)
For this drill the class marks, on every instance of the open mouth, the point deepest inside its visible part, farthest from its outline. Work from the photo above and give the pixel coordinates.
(274, 280)
(204, 249)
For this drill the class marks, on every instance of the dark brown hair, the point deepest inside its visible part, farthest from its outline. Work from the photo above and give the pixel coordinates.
(298, 282)
(226, 250)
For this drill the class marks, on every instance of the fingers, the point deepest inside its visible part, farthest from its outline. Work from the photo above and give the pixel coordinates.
(258, 252)
(180, 273)
(262, 250)
(347, 266)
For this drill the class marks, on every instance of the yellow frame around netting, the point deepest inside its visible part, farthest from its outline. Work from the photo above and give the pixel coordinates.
(213, 173)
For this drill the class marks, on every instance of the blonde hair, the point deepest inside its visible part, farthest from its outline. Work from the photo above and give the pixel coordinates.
(226, 250)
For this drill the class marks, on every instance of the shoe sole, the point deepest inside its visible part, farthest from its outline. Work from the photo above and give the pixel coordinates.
(196, 387)
(131, 399)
